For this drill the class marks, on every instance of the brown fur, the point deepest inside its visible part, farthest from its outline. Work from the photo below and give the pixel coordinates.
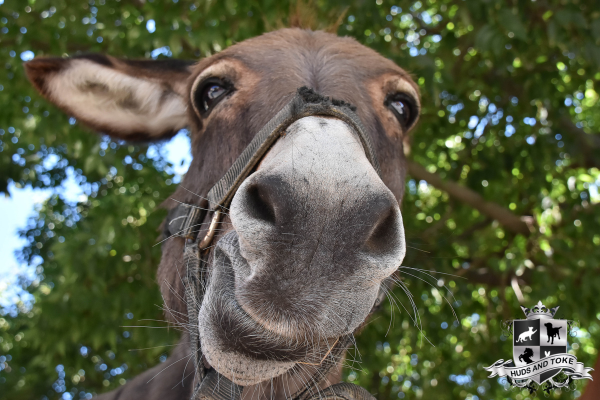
(266, 72)
(235, 123)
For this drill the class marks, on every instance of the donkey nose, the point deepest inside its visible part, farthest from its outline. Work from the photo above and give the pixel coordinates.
(318, 232)
(317, 198)
(263, 201)
(383, 222)
(272, 206)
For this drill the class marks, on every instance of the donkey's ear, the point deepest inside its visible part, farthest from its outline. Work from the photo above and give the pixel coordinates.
(138, 100)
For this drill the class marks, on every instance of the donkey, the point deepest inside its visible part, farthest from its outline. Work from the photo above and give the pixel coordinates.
(311, 233)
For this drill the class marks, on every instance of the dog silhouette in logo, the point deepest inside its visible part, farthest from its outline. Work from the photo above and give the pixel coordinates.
(552, 332)
(526, 356)
(525, 336)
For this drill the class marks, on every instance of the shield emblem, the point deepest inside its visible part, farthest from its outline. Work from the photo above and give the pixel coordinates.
(537, 338)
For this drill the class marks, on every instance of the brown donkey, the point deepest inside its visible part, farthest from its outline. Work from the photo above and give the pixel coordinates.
(272, 268)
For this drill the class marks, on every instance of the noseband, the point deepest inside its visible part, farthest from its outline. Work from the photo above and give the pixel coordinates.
(184, 219)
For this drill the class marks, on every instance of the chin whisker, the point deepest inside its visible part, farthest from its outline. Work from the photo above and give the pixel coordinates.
(169, 366)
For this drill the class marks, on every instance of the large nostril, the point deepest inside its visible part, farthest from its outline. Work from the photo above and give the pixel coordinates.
(384, 234)
(259, 203)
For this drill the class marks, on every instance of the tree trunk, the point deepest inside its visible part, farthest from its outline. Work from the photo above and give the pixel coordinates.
(592, 390)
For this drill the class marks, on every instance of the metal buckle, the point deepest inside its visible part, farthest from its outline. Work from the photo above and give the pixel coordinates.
(211, 231)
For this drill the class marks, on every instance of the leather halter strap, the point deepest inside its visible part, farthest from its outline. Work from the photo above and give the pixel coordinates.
(306, 103)
(185, 221)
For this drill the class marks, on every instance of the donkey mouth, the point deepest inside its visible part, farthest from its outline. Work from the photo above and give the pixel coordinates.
(236, 344)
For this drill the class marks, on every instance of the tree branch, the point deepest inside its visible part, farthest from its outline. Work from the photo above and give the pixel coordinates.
(485, 276)
(588, 143)
(592, 140)
(506, 218)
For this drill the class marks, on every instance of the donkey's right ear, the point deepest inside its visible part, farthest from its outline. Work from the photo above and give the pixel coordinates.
(128, 99)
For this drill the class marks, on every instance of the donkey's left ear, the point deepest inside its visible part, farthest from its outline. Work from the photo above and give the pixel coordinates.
(137, 100)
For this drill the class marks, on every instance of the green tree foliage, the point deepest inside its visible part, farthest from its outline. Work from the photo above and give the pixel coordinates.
(510, 112)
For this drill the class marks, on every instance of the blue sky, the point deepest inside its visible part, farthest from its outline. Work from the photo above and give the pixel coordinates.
(16, 209)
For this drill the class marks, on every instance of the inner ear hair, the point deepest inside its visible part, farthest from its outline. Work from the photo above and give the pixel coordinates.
(127, 99)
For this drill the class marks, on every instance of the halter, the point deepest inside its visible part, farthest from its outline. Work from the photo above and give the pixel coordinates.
(184, 219)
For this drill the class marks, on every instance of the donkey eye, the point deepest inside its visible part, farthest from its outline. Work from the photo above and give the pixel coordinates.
(209, 94)
(403, 107)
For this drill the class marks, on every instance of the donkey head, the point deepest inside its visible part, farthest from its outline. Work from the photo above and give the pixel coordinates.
(312, 233)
